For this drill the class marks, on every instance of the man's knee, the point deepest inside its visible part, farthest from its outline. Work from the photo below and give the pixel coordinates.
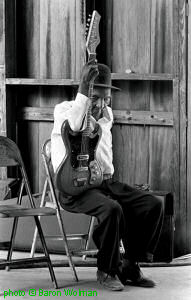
(114, 209)
(157, 204)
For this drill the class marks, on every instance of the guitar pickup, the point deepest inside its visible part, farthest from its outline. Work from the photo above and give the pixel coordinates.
(80, 182)
(82, 157)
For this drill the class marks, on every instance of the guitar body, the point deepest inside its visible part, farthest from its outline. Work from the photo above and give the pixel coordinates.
(78, 172)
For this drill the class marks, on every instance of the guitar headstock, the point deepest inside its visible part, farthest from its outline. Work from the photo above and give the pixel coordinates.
(93, 38)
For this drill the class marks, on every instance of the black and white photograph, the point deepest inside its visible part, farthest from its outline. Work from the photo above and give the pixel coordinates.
(95, 149)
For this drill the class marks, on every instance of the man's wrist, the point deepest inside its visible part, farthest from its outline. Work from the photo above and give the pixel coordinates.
(84, 89)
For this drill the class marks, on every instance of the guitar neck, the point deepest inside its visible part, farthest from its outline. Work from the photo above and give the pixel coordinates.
(86, 132)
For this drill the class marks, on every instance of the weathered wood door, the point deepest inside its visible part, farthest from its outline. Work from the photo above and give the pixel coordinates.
(148, 39)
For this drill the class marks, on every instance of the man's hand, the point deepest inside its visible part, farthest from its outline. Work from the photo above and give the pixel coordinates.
(89, 73)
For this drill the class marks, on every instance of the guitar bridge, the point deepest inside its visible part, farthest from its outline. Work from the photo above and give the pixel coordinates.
(80, 182)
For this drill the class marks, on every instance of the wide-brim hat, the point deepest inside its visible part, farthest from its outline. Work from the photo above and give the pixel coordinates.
(104, 78)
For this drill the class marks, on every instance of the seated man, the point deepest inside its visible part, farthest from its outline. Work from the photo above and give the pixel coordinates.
(122, 211)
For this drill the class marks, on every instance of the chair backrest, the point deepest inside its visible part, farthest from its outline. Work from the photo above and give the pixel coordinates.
(46, 155)
(9, 153)
(10, 156)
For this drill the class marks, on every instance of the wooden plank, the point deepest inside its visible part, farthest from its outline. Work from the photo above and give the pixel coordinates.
(28, 134)
(143, 117)
(3, 125)
(181, 239)
(188, 136)
(80, 40)
(131, 36)
(38, 81)
(162, 36)
(143, 76)
(130, 153)
(161, 138)
(131, 50)
(2, 32)
(161, 163)
(72, 82)
(28, 38)
(120, 116)
(10, 41)
(35, 114)
(108, 31)
(57, 42)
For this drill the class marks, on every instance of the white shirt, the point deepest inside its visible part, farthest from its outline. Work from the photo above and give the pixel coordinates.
(75, 112)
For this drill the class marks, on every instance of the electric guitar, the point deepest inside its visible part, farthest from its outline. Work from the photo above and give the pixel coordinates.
(80, 170)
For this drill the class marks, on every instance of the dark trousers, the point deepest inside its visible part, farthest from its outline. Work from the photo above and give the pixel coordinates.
(124, 213)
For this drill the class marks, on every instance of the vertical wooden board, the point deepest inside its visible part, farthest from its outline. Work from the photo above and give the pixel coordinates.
(80, 20)
(162, 36)
(161, 98)
(28, 38)
(189, 134)
(131, 36)
(161, 162)
(131, 50)
(2, 32)
(28, 135)
(11, 107)
(3, 125)
(134, 95)
(162, 144)
(10, 41)
(183, 207)
(57, 38)
(130, 153)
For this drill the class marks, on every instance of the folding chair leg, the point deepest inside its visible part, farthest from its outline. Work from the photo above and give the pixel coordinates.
(42, 204)
(46, 252)
(13, 234)
(90, 231)
(14, 228)
(61, 225)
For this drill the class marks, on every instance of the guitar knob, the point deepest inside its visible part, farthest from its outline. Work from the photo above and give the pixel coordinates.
(93, 178)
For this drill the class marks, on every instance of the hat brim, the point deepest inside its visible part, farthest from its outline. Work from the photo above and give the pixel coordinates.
(107, 86)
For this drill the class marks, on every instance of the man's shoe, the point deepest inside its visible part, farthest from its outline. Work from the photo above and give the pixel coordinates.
(109, 282)
(131, 274)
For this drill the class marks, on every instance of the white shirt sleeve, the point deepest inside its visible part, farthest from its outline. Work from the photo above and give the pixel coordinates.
(73, 111)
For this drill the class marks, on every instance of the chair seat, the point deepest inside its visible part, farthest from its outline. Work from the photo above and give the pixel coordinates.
(8, 211)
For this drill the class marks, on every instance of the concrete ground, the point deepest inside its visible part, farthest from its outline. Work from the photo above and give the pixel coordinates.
(173, 283)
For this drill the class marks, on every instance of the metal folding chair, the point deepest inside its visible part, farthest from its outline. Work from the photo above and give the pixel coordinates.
(49, 198)
(10, 156)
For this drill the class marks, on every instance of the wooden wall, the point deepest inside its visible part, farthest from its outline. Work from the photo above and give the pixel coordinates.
(46, 39)
(49, 45)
